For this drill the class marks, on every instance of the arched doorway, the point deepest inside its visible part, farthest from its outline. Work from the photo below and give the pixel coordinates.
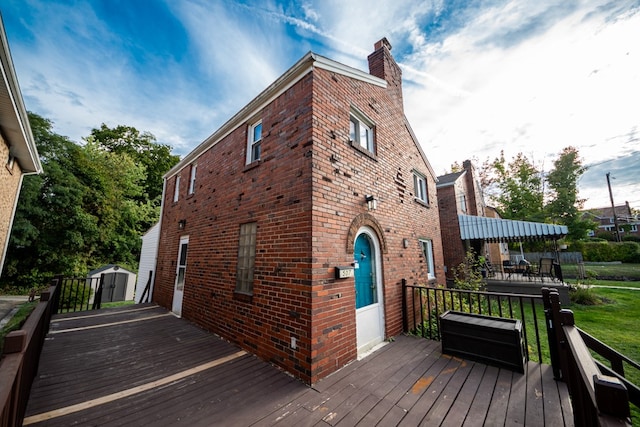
(368, 288)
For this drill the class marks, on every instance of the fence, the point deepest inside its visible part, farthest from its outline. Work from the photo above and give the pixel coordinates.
(19, 364)
(422, 307)
(79, 293)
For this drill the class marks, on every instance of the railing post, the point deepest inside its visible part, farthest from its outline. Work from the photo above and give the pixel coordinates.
(405, 321)
(551, 333)
(560, 367)
(97, 300)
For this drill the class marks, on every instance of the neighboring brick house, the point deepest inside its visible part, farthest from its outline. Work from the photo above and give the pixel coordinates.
(319, 174)
(467, 223)
(459, 193)
(18, 153)
(628, 223)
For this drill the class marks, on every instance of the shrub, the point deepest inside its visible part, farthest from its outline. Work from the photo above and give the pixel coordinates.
(603, 251)
(468, 274)
(584, 295)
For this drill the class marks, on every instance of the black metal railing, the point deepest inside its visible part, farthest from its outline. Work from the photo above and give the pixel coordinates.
(79, 293)
(422, 307)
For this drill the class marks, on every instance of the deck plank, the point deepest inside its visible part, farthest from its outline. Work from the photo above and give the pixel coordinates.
(534, 411)
(155, 359)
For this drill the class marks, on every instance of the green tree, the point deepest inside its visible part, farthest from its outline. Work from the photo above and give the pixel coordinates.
(564, 205)
(52, 233)
(520, 195)
(143, 149)
(90, 205)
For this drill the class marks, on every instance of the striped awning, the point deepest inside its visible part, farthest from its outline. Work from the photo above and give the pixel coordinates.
(506, 230)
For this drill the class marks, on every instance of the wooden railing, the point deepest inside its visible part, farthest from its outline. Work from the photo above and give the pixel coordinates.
(19, 363)
(422, 307)
(597, 399)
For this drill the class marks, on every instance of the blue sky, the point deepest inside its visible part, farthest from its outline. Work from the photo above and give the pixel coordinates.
(479, 76)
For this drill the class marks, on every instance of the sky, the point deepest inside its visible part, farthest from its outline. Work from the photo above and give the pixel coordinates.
(479, 77)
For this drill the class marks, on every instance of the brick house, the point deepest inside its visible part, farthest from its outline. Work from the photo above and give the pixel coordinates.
(468, 223)
(18, 153)
(628, 223)
(289, 230)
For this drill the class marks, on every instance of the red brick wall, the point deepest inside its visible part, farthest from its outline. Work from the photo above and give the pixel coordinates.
(453, 246)
(307, 196)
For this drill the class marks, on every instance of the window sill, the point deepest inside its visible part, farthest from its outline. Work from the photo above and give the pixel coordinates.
(243, 297)
(252, 165)
(421, 202)
(364, 151)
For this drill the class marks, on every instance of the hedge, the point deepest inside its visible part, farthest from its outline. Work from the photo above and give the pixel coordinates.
(608, 251)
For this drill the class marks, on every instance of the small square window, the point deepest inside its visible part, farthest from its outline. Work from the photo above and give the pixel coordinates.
(361, 132)
(420, 187)
(254, 144)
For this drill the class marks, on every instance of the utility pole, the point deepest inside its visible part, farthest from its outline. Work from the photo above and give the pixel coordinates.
(613, 209)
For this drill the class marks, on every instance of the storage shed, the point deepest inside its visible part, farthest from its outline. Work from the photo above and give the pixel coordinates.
(119, 283)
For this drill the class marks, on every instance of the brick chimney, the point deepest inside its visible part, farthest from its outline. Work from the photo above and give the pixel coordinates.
(382, 64)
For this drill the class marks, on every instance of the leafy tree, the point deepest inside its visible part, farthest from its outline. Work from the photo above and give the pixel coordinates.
(143, 149)
(88, 207)
(564, 205)
(519, 183)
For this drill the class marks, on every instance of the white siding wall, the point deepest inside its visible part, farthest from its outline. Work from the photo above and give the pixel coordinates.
(147, 260)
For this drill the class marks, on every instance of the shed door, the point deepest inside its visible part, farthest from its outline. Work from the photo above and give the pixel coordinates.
(369, 305)
(114, 287)
(181, 270)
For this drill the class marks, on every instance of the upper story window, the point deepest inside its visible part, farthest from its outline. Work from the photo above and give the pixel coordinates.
(254, 143)
(463, 203)
(176, 190)
(192, 179)
(361, 131)
(420, 187)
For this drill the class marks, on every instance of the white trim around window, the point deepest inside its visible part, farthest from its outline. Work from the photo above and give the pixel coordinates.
(420, 187)
(361, 131)
(192, 179)
(176, 190)
(427, 251)
(254, 142)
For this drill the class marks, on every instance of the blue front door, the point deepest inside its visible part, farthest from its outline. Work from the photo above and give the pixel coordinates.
(366, 291)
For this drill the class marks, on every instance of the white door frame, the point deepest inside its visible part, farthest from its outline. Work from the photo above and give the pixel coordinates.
(370, 330)
(178, 286)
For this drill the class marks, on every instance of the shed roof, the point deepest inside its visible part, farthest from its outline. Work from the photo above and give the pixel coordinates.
(506, 230)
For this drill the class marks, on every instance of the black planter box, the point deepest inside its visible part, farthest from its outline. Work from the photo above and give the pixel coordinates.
(491, 340)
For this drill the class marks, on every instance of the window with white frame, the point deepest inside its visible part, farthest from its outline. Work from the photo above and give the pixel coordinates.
(176, 190)
(192, 179)
(427, 251)
(463, 203)
(246, 258)
(254, 144)
(420, 187)
(361, 131)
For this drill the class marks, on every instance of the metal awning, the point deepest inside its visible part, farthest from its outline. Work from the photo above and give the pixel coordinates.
(506, 230)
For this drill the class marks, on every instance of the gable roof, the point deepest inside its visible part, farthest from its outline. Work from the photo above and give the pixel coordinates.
(449, 179)
(14, 121)
(294, 74)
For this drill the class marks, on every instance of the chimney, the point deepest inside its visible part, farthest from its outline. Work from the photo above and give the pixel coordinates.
(382, 64)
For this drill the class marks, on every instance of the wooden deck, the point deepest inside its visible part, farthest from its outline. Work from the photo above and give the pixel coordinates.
(140, 365)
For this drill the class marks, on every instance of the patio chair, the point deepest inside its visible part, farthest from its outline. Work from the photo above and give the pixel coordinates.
(546, 268)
